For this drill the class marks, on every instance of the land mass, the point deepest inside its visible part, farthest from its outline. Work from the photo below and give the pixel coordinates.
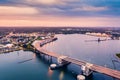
(118, 55)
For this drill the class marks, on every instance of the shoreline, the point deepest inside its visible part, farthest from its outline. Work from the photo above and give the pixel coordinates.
(93, 67)
(117, 55)
(11, 50)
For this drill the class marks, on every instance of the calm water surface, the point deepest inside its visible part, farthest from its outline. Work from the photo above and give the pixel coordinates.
(25, 65)
(86, 48)
(13, 67)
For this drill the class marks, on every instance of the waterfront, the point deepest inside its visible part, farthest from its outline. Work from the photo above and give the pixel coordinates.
(84, 47)
(75, 45)
(11, 68)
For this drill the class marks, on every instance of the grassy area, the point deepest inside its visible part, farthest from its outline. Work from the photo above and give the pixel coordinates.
(118, 55)
(28, 46)
(39, 38)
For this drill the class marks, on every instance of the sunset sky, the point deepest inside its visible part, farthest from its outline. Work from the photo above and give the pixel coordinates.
(87, 13)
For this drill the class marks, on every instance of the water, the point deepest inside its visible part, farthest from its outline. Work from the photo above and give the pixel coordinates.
(13, 66)
(85, 48)
(25, 65)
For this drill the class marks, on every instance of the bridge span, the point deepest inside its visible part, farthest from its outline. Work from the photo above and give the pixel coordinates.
(92, 67)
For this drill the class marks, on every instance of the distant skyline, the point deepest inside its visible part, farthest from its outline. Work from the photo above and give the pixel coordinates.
(89, 13)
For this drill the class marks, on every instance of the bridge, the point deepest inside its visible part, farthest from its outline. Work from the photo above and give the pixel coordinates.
(90, 67)
(114, 35)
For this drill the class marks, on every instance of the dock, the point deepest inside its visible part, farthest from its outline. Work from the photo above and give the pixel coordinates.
(7, 50)
(92, 67)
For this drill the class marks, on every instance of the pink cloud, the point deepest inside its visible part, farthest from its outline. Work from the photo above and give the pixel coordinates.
(60, 21)
(12, 10)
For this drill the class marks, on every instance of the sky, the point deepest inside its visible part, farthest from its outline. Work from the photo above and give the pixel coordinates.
(74, 13)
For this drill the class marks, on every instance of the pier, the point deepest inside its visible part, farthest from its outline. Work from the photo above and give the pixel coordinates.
(7, 50)
(87, 67)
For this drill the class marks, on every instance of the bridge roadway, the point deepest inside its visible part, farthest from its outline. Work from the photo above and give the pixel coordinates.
(94, 67)
(37, 46)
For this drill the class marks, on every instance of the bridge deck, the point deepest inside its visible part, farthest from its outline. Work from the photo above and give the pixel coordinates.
(49, 53)
(97, 68)
(40, 49)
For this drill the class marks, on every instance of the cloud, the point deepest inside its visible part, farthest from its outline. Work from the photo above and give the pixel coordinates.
(13, 10)
(70, 7)
(64, 21)
(89, 8)
(52, 10)
(65, 10)
(50, 2)
(42, 2)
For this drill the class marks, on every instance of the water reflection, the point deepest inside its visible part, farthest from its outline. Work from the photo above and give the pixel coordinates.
(18, 53)
(30, 69)
(50, 73)
(34, 56)
(88, 48)
(61, 75)
(76, 46)
(71, 45)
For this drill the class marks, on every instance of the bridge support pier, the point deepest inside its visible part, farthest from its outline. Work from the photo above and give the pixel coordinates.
(46, 57)
(80, 77)
(43, 56)
(86, 69)
(61, 61)
(49, 58)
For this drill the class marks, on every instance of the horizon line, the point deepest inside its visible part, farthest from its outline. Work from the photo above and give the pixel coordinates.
(59, 26)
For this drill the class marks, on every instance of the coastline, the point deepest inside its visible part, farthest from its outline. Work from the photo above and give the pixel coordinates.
(93, 67)
(118, 55)
(11, 50)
